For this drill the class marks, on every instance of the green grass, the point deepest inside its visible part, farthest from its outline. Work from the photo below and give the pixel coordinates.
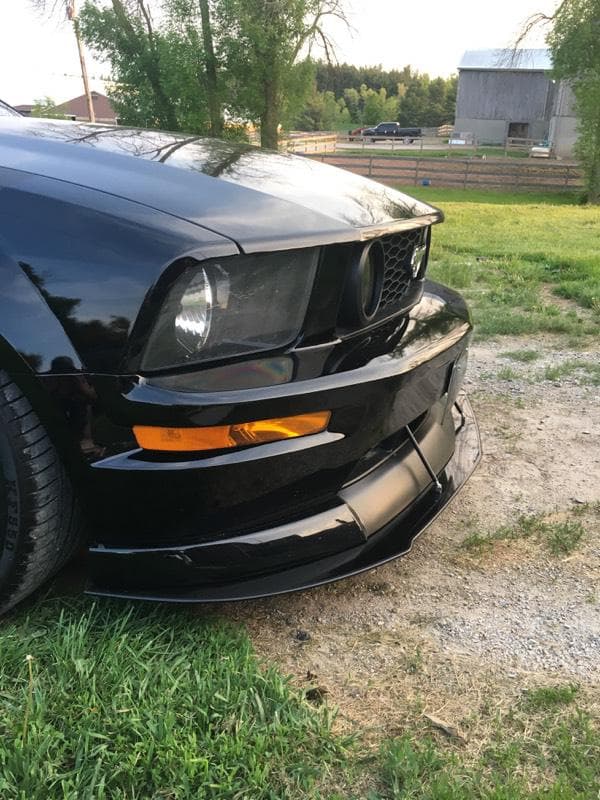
(510, 254)
(543, 749)
(523, 356)
(560, 537)
(507, 374)
(104, 701)
(412, 152)
(588, 370)
(548, 697)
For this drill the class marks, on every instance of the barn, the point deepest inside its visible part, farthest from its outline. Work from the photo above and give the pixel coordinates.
(506, 93)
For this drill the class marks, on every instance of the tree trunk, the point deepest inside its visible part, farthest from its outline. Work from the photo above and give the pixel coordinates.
(269, 119)
(212, 89)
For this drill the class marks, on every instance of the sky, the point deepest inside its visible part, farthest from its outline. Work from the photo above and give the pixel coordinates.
(38, 56)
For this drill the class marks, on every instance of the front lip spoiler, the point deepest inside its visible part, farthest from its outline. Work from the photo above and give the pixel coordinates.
(392, 541)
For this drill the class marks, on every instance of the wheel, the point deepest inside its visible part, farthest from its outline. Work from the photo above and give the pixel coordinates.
(39, 519)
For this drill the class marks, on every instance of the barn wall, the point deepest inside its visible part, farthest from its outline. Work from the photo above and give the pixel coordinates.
(563, 125)
(503, 95)
(494, 131)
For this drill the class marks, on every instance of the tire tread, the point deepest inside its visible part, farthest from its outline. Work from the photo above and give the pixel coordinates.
(48, 513)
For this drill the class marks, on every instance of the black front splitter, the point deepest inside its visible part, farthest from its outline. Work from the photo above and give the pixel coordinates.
(392, 541)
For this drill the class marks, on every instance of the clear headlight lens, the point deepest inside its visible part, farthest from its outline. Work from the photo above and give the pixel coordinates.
(192, 324)
(232, 307)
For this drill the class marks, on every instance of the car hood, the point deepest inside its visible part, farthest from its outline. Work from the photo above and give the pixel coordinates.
(261, 200)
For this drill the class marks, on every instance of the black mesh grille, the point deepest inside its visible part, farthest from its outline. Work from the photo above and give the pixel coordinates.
(398, 250)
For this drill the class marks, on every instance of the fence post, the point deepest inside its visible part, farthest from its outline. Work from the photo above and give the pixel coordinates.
(506, 147)
(466, 178)
(417, 163)
(370, 166)
(568, 169)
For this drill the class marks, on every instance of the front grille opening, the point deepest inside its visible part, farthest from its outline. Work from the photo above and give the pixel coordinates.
(398, 249)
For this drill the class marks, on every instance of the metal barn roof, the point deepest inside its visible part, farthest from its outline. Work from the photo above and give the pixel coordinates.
(526, 60)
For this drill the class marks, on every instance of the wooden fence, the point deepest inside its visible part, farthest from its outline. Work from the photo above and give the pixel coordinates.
(311, 143)
(466, 173)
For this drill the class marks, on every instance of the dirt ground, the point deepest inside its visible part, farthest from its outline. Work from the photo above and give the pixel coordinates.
(454, 633)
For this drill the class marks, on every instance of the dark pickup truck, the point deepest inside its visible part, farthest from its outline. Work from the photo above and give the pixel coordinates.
(392, 130)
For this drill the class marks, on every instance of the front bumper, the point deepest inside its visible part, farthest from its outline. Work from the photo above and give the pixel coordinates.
(376, 520)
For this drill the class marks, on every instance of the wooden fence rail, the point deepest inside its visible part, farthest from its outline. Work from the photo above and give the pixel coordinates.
(466, 173)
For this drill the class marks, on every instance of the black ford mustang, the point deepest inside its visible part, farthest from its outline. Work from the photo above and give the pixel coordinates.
(222, 370)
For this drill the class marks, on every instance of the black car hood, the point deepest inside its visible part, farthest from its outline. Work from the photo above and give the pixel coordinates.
(261, 200)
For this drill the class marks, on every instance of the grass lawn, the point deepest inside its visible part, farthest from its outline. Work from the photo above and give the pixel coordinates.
(107, 701)
(517, 258)
(412, 152)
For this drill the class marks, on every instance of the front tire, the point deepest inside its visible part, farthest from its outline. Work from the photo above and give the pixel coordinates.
(39, 525)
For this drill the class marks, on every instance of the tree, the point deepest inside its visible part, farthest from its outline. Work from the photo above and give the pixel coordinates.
(268, 43)
(377, 106)
(124, 34)
(322, 112)
(69, 7)
(574, 41)
(190, 26)
(46, 107)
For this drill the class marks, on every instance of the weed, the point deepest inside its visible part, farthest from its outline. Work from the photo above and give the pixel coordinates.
(560, 537)
(414, 662)
(507, 374)
(590, 371)
(524, 356)
(563, 537)
(546, 697)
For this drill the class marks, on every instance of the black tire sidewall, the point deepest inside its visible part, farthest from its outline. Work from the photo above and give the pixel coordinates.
(9, 505)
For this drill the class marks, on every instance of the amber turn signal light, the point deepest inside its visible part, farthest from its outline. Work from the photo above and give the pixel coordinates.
(221, 437)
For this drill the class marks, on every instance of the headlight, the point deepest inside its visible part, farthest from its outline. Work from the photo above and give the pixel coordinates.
(192, 324)
(232, 307)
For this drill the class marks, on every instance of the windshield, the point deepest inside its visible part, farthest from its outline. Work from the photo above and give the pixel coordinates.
(7, 111)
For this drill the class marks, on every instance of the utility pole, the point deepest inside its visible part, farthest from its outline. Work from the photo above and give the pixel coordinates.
(72, 17)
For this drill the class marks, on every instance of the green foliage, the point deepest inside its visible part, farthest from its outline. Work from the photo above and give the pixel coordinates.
(100, 700)
(242, 59)
(46, 107)
(322, 112)
(575, 44)
(373, 95)
(144, 65)
(264, 42)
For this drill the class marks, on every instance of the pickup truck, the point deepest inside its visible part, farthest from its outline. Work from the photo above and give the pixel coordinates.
(392, 130)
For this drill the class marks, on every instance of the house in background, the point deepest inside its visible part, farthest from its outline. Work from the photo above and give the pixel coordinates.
(506, 93)
(76, 109)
